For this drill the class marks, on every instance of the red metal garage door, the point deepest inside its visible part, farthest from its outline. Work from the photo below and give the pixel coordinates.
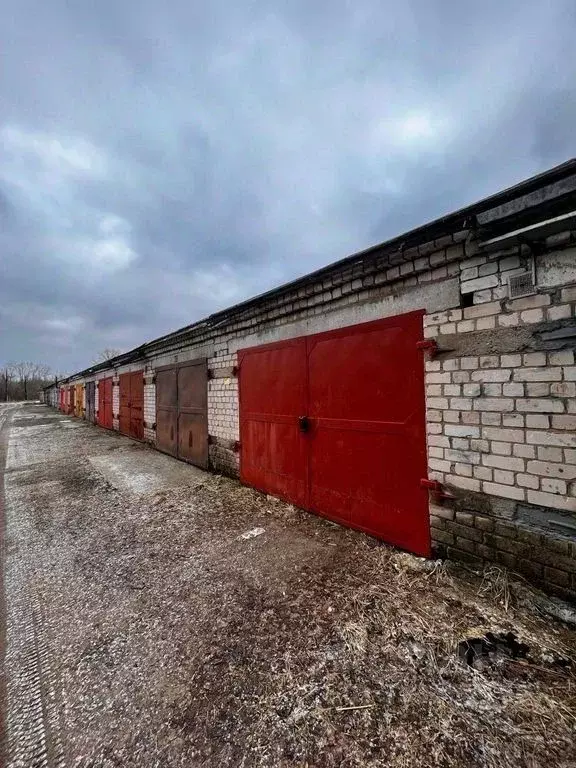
(335, 423)
(137, 405)
(274, 454)
(124, 415)
(182, 411)
(167, 410)
(132, 404)
(105, 403)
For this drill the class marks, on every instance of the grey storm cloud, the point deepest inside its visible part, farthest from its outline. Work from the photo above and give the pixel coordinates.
(159, 161)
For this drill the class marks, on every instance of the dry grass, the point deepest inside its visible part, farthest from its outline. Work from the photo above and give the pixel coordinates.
(496, 584)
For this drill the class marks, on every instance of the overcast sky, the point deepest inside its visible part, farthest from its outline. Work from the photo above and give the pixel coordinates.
(162, 160)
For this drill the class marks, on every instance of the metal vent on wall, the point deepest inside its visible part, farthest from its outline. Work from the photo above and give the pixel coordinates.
(521, 285)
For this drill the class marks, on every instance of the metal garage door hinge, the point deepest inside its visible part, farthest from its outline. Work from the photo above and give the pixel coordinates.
(428, 345)
(436, 489)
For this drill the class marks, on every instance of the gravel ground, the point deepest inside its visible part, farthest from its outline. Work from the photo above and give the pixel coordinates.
(148, 626)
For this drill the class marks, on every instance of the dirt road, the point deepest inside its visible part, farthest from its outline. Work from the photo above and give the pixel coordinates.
(156, 615)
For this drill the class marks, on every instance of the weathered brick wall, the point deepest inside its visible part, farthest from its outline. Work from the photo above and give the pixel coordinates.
(502, 422)
(489, 313)
(505, 425)
(115, 401)
(548, 560)
(149, 409)
(223, 412)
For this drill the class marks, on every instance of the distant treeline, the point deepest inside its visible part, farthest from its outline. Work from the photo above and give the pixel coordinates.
(23, 381)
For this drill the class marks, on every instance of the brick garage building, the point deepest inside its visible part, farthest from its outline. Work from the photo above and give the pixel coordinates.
(495, 284)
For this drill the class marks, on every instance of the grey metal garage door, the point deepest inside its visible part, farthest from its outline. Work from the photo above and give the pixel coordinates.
(182, 411)
(90, 404)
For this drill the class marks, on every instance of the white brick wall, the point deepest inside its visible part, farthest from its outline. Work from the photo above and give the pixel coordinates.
(508, 443)
(223, 413)
(498, 314)
(485, 276)
(149, 410)
(115, 404)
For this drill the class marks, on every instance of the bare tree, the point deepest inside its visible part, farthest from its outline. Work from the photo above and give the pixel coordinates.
(31, 377)
(6, 378)
(106, 354)
(43, 372)
(24, 372)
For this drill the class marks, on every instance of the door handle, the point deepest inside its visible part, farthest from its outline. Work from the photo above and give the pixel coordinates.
(304, 423)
